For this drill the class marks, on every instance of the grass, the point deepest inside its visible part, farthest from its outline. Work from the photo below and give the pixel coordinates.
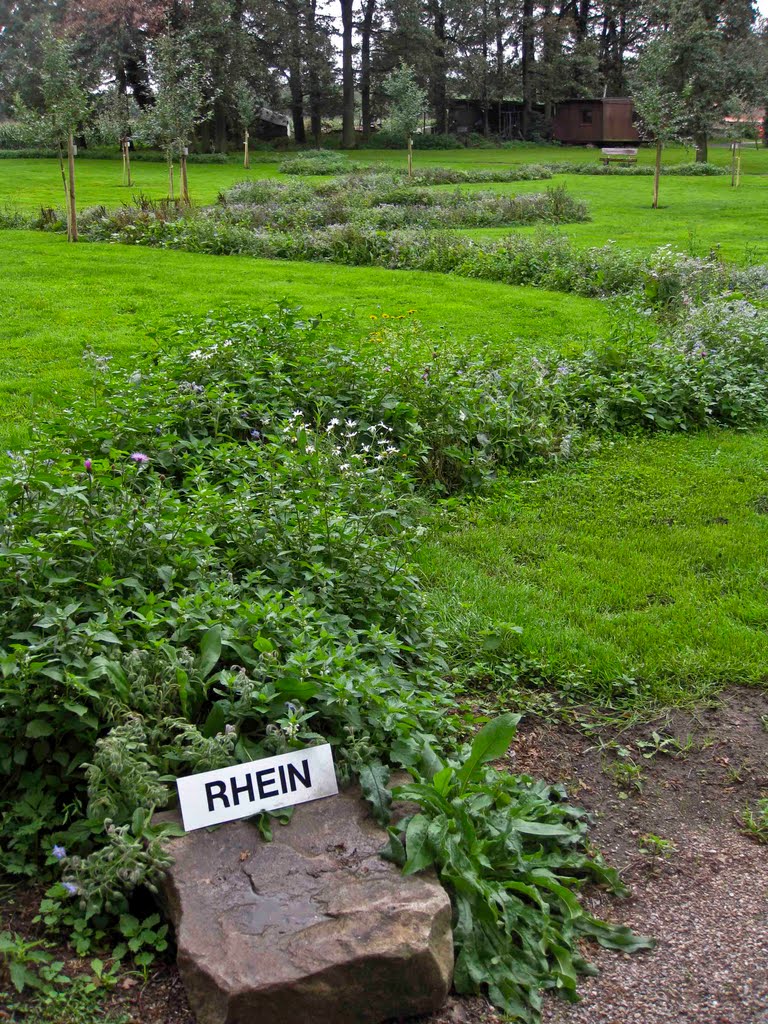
(647, 561)
(59, 298)
(696, 214)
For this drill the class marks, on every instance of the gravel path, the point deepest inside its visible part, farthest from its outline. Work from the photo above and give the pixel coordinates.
(708, 908)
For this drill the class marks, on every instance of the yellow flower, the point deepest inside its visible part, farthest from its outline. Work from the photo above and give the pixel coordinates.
(372, 317)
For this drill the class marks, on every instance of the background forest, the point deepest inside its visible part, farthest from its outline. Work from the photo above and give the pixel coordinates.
(326, 63)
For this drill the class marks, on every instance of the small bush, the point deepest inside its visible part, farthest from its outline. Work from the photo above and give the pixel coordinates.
(321, 162)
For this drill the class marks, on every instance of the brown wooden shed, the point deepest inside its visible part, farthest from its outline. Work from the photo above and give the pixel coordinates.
(598, 122)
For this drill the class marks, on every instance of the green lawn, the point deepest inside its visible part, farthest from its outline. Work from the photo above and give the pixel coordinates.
(59, 298)
(30, 184)
(696, 214)
(647, 561)
(753, 161)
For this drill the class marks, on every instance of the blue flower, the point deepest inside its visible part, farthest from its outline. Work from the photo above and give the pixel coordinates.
(71, 888)
(59, 852)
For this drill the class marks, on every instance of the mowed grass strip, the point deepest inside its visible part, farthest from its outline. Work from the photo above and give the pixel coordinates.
(30, 184)
(696, 215)
(58, 299)
(647, 561)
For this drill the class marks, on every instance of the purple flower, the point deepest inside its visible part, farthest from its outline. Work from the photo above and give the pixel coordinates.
(59, 852)
(71, 888)
(140, 458)
(255, 434)
(88, 465)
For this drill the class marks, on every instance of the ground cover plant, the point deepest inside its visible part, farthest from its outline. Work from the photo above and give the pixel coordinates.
(228, 571)
(55, 296)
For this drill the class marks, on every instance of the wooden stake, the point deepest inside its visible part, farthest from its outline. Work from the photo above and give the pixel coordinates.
(184, 181)
(66, 191)
(657, 174)
(733, 164)
(738, 168)
(247, 157)
(170, 175)
(72, 206)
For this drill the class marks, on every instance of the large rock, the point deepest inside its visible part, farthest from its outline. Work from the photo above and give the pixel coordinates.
(312, 928)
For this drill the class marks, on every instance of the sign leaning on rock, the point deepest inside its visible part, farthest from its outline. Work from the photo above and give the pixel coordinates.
(225, 794)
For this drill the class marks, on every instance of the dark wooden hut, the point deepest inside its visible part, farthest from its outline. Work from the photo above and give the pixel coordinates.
(599, 122)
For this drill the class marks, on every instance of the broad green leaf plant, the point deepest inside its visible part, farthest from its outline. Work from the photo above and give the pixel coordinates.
(511, 851)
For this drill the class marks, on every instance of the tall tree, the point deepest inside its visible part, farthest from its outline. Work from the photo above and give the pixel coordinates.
(366, 32)
(347, 75)
(710, 61)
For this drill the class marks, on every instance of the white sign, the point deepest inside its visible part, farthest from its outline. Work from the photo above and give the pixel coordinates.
(226, 794)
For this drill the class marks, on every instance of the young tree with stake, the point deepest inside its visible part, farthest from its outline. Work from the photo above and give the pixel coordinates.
(179, 104)
(658, 99)
(65, 112)
(116, 121)
(407, 100)
(246, 108)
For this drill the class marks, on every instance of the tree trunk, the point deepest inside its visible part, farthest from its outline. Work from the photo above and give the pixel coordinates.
(500, 83)
(170, 175)
(438, 79)
(246, 154)
(410, 157)
(220, 126)
(657, 174)
(66, 192)
(366, 28)
(347, 77)
(527, 66)
(486, 95)
(184, 180)
(127, 162)
(701, 147)
(71, 188)
(297, 105)
(315, 92)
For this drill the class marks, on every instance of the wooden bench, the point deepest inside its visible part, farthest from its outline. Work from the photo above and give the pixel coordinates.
(626, 155)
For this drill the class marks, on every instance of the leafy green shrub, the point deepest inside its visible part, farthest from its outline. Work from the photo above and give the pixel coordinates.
(510, 851)
(240, 561)
(321, 162)
(386, 139)
(635, 170)
(695, 169)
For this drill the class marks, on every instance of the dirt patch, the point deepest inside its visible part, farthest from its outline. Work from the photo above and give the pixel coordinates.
(667, 799)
